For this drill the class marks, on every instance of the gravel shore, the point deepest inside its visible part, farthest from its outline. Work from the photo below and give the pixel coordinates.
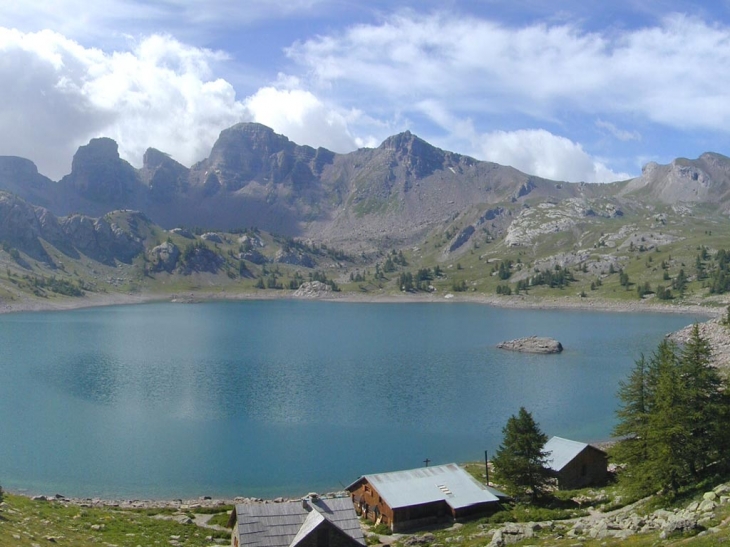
(91, 300)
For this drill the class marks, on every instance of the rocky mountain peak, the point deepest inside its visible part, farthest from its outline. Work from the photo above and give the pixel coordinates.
(250, 136)
(705, 179)
(99, 174)
(253, 152)
(419, 157)
(163, 175)
(14, 166)
(153, 158)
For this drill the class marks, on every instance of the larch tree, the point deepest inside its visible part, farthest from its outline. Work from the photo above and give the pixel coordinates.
(671, 418)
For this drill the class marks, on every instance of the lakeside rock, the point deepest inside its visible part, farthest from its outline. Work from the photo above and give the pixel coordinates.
(532, 344)
(716, 333)
(312, 289)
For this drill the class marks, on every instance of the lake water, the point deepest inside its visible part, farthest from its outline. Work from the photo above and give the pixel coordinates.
(287, 397)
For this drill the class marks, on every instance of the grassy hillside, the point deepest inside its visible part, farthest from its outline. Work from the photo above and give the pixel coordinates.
(574, 250)
(26, 522)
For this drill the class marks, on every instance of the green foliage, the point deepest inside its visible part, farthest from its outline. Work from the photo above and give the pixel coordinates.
(64, 287)
(503, 271)
(420, 282)
(663, 293)
(191, 249)
(520, 460)
(679, 283)
(556, 278)
(12, 251)
(644, 289)
(504, 290)
(673, 408)
(322, 278)
(719, 282)
(458, 286)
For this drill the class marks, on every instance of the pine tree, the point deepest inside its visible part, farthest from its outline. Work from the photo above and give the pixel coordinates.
(520, 461)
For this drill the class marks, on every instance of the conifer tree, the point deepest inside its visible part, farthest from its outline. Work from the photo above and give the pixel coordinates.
(520, 461)
(671, 418)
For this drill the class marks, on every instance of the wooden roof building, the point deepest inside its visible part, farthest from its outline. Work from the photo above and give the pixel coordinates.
(311, 522)
(405, 500)
(575, 464)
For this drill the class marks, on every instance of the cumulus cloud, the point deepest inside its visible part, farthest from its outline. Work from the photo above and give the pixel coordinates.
(57, 94)
(302, 117)
(541, 153)
(676, 73)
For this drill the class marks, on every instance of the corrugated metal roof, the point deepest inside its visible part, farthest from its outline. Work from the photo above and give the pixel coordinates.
(449, 483)
(562, 452)
(280, 524)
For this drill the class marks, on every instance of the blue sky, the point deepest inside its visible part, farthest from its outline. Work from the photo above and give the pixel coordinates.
(569, 90)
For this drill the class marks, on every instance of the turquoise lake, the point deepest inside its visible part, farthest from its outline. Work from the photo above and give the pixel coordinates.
(286, 397)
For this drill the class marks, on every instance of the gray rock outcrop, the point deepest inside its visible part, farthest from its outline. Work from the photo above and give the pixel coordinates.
(312, 289)
(532, 344)
(294, 258)
(164, 257)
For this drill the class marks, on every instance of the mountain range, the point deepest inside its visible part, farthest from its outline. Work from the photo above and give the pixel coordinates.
(396, 192)
(260, 199)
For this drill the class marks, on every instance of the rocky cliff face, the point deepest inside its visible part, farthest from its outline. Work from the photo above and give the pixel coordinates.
(99, 175)
(704, 180)
(23, 226)
(165, 178)
(20, 176)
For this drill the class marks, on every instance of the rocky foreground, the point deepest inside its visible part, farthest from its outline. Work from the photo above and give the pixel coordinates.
(623, 523)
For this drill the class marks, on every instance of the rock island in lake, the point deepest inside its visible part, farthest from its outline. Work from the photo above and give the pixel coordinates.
(532, 344)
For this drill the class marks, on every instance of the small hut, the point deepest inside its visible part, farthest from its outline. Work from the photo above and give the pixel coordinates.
(575, 464)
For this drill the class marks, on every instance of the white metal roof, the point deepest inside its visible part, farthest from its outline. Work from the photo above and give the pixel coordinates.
(449, 483)
(562, 452)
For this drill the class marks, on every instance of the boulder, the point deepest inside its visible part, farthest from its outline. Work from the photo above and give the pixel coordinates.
(532, 344)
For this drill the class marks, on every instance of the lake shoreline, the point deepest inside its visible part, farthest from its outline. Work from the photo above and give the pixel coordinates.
(94, 300)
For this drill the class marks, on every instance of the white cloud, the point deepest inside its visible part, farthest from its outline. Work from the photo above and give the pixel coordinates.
(620, 134)
(161, 93)
(302, 117)
(112, 19)
(534, 151)
(56, 95)
(541, 153)
(676, 73)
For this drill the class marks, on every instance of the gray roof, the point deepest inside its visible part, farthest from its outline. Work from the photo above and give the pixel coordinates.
(562, 452)
(449, 483)
(286, 524)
